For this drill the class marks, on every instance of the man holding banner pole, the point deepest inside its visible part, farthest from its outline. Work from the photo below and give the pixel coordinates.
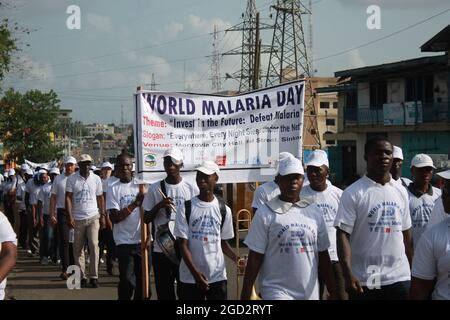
(161, 204)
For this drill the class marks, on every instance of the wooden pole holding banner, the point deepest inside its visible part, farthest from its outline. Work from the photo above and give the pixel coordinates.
(144, 244)
(144, 251)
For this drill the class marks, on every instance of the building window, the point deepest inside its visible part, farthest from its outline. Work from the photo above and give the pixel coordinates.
(330, 142)
(378, 94)
(335, 105)
(330, 122)
(324, 105)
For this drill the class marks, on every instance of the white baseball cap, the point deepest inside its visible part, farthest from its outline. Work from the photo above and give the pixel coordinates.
(107, 164)
(290, 166)
(317, 158)
(444, 174)
(175, 154)
(71, 160)
(41, 171)
(94, 168)
(422, 160)
(284, 155)
(398, 153)
(54, 170)
(85, 158)
(209, 167)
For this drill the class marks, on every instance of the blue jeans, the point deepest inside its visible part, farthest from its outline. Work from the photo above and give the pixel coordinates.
(130, 271)
(47, 247)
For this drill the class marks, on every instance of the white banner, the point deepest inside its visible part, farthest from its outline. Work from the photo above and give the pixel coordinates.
(49, 165)
(243, 134)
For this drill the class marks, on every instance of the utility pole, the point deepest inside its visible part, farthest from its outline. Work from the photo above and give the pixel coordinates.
(153, 83)
(248, 48)
(215, 63)
(289, 61)
(122, 118)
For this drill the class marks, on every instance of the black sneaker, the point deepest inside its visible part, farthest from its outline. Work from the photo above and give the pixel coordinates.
(83, 283)
(93, 283)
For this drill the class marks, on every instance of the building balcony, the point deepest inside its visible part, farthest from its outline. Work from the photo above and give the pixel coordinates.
(398, 114)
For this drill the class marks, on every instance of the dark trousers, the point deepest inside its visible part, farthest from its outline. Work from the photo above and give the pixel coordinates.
(47, 246)
(106, 241)
(33, 240)
(23, 229)
(217, 291)
(130, 271)
(395, 291)
(65, 248)
(8, 207)
(166, 272)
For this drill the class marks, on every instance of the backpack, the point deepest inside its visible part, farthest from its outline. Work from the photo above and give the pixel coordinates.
(222, 207)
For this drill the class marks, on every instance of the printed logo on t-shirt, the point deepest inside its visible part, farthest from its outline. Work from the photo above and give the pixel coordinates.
(329, 212)
(385, 217)
(296, 238)
(420, 215)
(126, 199)
(206, 229)
(84, 196)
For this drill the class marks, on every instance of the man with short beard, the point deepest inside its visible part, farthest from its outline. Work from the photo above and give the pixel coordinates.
(374, 230)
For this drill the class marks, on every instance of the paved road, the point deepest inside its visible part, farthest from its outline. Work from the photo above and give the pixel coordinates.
(32, 281)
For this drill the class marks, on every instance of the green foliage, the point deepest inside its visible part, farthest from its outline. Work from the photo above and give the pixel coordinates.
(26, 122)
(7, 48)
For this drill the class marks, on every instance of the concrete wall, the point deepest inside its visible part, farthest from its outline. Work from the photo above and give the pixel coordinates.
(363, 95)
(440, 83)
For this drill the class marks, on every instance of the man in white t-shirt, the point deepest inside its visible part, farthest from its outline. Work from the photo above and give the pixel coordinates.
(439, 214)
(123, 200)
(59, 218)
(23, 218)
(373, 230)
(43, 214)
(269, 190)
(85, 212)
(396, 169)
(106, 239)
(159, 211)
(288, 243)
(8, 251)
(422, 195)
(31, 191)
(327, 198)
(431, 263)
(203, 226)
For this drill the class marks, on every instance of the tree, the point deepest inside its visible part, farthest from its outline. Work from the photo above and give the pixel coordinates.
(7, 48)
(26, 123)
